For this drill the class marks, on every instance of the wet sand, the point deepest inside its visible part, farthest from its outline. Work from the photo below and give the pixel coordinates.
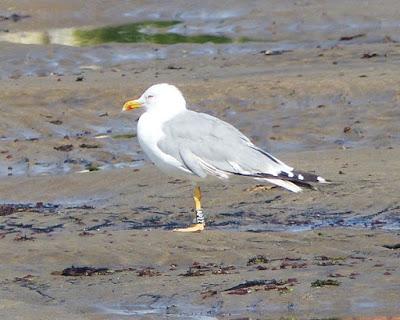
(191, 275)
(345, 233)
(329, 108)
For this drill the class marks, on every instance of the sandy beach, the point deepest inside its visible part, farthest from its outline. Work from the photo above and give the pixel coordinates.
(86, 221)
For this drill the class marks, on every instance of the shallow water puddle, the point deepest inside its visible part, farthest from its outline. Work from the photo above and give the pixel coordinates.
(308, 219)
(140, 32)
(158, 311)
(62, 167)
(187, 311)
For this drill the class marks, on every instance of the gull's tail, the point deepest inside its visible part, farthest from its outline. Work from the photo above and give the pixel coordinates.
(293, 180)
(296, 180)
(291, 186)
(286, 176)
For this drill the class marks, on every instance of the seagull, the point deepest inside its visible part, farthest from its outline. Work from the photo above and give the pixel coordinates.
(197, 146)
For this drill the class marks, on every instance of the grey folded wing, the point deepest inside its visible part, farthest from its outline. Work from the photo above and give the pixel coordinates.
(207, 145)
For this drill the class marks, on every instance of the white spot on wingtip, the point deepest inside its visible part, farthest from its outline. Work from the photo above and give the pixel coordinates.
(300, 177)
(290, 174)
(321, 180)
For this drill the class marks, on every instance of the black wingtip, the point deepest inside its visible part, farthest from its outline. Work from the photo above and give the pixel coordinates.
(307, 177)
(299, 178)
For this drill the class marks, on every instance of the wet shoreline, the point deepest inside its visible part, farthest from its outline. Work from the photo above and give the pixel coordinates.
(359, 198)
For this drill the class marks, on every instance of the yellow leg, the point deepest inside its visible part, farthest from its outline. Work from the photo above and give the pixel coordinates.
(199, 225)
(197, 198)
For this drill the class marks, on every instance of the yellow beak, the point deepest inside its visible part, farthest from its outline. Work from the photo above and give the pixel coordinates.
(131, 104)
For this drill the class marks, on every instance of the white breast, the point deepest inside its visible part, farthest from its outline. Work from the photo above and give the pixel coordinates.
(149, 132)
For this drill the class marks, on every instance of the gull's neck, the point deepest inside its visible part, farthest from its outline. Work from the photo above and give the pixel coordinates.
(164, 116)
(168, 109)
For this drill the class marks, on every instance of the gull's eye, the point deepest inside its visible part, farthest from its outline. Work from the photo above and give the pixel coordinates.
(150, 96)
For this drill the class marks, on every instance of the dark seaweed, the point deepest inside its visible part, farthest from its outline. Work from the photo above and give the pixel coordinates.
(323, 283)
(253, 283)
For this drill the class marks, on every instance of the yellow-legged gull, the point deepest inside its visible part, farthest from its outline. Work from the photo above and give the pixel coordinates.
(197, 146)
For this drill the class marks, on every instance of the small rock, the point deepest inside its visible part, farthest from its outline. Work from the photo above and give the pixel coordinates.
(65, 148)
(274, 52)
(56, 122)
(348, 38)
(173, 67)
(369, 55)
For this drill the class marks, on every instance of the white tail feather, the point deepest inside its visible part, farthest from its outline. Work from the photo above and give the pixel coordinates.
(284, 184)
